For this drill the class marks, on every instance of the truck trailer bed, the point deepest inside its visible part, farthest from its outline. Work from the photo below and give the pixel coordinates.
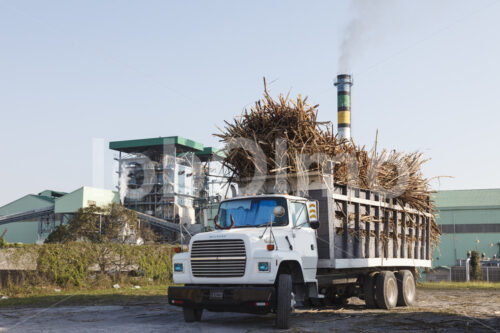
(359, 228)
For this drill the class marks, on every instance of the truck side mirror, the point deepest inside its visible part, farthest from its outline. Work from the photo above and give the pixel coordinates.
(279, 211)
(314, 224)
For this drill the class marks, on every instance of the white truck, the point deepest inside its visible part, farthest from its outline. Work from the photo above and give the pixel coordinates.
(271, 252)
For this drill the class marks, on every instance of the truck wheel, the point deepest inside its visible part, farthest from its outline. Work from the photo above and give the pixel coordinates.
(406, 288)
(386, 292)
(284, 297)
(369, 290)
(191, 315)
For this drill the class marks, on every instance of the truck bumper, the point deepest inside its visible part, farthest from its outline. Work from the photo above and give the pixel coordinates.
(224, 299)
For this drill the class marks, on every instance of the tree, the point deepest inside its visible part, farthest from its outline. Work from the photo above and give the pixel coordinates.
(86, 224)
(60, 235)
(98, 225)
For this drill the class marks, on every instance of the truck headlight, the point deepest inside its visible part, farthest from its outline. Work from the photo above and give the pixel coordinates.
(263, 266)
(178, 268)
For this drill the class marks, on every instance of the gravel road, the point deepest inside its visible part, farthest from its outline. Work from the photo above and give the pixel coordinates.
(436, 310)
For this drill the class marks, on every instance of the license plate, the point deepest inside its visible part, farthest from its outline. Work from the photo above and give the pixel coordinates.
(216, 294)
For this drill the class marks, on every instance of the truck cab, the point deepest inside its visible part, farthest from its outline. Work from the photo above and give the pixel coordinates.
(261, 258)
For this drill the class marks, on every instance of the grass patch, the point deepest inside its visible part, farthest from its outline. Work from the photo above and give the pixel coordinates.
(483, 285)
(121, 296)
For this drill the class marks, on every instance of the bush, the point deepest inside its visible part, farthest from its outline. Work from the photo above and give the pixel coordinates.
(66, 264)
(156, 263)
(90, 265)
(475, 267)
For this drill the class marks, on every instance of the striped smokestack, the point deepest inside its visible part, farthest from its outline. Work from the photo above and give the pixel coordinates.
(343, 84)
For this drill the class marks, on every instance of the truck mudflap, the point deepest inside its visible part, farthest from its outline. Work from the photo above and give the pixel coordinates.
(224, 299)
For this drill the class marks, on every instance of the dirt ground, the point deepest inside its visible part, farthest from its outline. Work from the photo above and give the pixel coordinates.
(436, 310)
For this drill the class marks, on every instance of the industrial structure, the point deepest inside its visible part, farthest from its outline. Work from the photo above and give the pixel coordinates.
(343, 84)
(173, 183)
(470, 221)
(170, 178)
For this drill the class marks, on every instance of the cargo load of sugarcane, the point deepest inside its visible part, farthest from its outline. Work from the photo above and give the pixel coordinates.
(293, 124)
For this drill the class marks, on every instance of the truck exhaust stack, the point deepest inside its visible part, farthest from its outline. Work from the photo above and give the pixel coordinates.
(343, 84)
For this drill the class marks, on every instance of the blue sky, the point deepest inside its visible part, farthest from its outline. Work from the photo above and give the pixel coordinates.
(426, 75)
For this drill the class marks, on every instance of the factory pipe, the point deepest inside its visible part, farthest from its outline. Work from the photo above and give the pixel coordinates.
(343, 84)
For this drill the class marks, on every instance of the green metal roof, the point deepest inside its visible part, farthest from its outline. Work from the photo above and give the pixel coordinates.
(26, 203)
(467, 198)
(211, 151)
(130, 145)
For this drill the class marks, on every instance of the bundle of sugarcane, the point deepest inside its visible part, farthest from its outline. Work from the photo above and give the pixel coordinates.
(294, 123)
(291, 121)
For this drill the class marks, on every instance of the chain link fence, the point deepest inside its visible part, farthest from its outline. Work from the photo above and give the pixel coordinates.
(458, 274)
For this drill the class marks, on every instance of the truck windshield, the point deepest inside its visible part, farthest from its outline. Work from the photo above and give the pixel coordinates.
(252, 212)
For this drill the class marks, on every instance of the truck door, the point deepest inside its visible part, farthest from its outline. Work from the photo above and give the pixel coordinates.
(304, 237)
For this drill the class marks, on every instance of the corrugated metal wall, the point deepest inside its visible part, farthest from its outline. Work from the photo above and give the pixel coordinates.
(471, 218)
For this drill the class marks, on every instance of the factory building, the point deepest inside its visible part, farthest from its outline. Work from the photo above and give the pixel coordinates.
(31, 230)
(32, 218)
(469, 220)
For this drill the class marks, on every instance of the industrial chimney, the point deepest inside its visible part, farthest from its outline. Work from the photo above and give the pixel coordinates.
(343, 84)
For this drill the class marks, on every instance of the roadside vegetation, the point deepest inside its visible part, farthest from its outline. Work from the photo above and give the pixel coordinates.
(99, 249)
(85, 266)
(459, 285)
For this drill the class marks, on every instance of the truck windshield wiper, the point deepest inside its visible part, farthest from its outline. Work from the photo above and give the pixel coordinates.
(264, 225)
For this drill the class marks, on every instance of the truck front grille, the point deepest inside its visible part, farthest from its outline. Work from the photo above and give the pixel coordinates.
(218, 258)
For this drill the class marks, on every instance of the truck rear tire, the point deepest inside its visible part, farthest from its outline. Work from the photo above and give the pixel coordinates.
(386, 290)
(192, 315)
(369, 290)
(284, 301)
(406, 288)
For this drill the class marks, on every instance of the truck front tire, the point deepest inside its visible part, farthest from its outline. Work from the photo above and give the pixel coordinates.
(386, 290)
(192, 315)
(284, 301)
(406, 288)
